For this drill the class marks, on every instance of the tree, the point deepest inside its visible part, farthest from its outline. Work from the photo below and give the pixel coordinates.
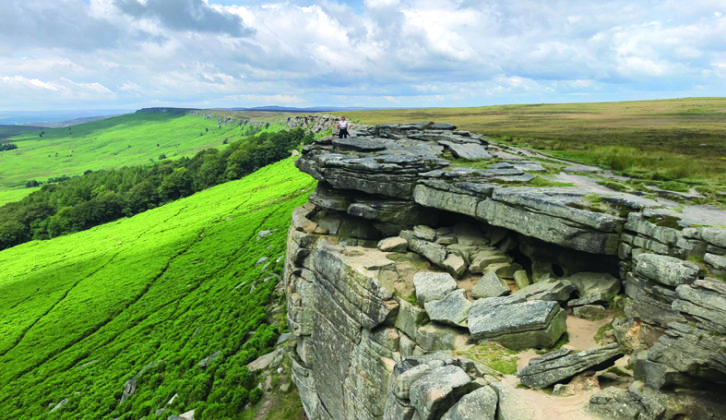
(240, 162)
(60, 223)
(12, 233)
(210, 172)
(176, 185)
(141, 197)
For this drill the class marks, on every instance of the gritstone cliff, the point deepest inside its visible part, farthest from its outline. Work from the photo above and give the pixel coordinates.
(421, 242)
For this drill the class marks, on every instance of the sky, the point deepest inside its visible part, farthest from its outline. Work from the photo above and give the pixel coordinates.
(129, 54)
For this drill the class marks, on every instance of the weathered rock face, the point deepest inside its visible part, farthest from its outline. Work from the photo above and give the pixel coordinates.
(402, 258)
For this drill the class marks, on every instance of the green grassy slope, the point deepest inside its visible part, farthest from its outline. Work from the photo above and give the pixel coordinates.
(665, 139)
(131, 139)
(82, 314)
(9, 196)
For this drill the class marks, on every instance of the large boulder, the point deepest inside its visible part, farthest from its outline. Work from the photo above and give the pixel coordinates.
(471, 151)
(452, 309)
(432, 286)
(594, 287)
(480, 404)
(436, 391)
(517, 326)
(666, 270)
(696, 348)
(548, 290)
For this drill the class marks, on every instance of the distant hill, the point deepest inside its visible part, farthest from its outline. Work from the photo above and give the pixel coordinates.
(125, 140)
(42, 118)
(7, 131)
(68, 123)
(275, 108)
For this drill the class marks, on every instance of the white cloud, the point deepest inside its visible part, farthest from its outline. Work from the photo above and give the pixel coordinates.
(420, 53)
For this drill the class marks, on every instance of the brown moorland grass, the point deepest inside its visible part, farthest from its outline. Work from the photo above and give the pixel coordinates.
(673, 139)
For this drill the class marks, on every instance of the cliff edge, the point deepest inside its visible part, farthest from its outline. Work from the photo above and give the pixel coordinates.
(424, 250)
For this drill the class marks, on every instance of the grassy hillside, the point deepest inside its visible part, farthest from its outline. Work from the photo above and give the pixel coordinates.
(125, 140)
(666, 139)
(9, 196)
(148, 297)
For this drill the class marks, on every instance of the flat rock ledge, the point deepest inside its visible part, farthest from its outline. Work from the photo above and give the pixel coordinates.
(563, 364)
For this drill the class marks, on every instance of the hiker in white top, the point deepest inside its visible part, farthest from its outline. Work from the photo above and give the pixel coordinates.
(343, 128)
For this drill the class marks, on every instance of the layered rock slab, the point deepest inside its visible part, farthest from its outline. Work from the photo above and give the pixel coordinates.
(563, 364)
(517, 324)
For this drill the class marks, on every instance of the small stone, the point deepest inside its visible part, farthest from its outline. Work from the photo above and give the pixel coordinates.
(483, 259)
(715, 236)
(470, 151)
(264, 233)
(455, 265)
(716, 261)
(521, 279)
(590, 312)
(562, 390)
(505, 270)
(490, 285)
(434, 337)
(446, 239)
(424, 232)
(433, 252)
(393, 244)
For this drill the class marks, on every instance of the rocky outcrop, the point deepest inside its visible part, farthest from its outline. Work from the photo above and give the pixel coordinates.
(422, 241)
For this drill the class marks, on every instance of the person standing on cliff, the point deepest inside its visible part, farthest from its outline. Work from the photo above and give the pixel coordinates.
(343, 128)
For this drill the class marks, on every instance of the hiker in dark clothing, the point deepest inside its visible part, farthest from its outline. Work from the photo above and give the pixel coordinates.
(343, 128)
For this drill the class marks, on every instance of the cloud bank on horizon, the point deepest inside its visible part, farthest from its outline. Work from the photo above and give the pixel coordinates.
(79, 54)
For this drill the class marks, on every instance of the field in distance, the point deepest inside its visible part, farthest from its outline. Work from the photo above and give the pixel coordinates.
(149, 298)
(127, 140)
(677, 139)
